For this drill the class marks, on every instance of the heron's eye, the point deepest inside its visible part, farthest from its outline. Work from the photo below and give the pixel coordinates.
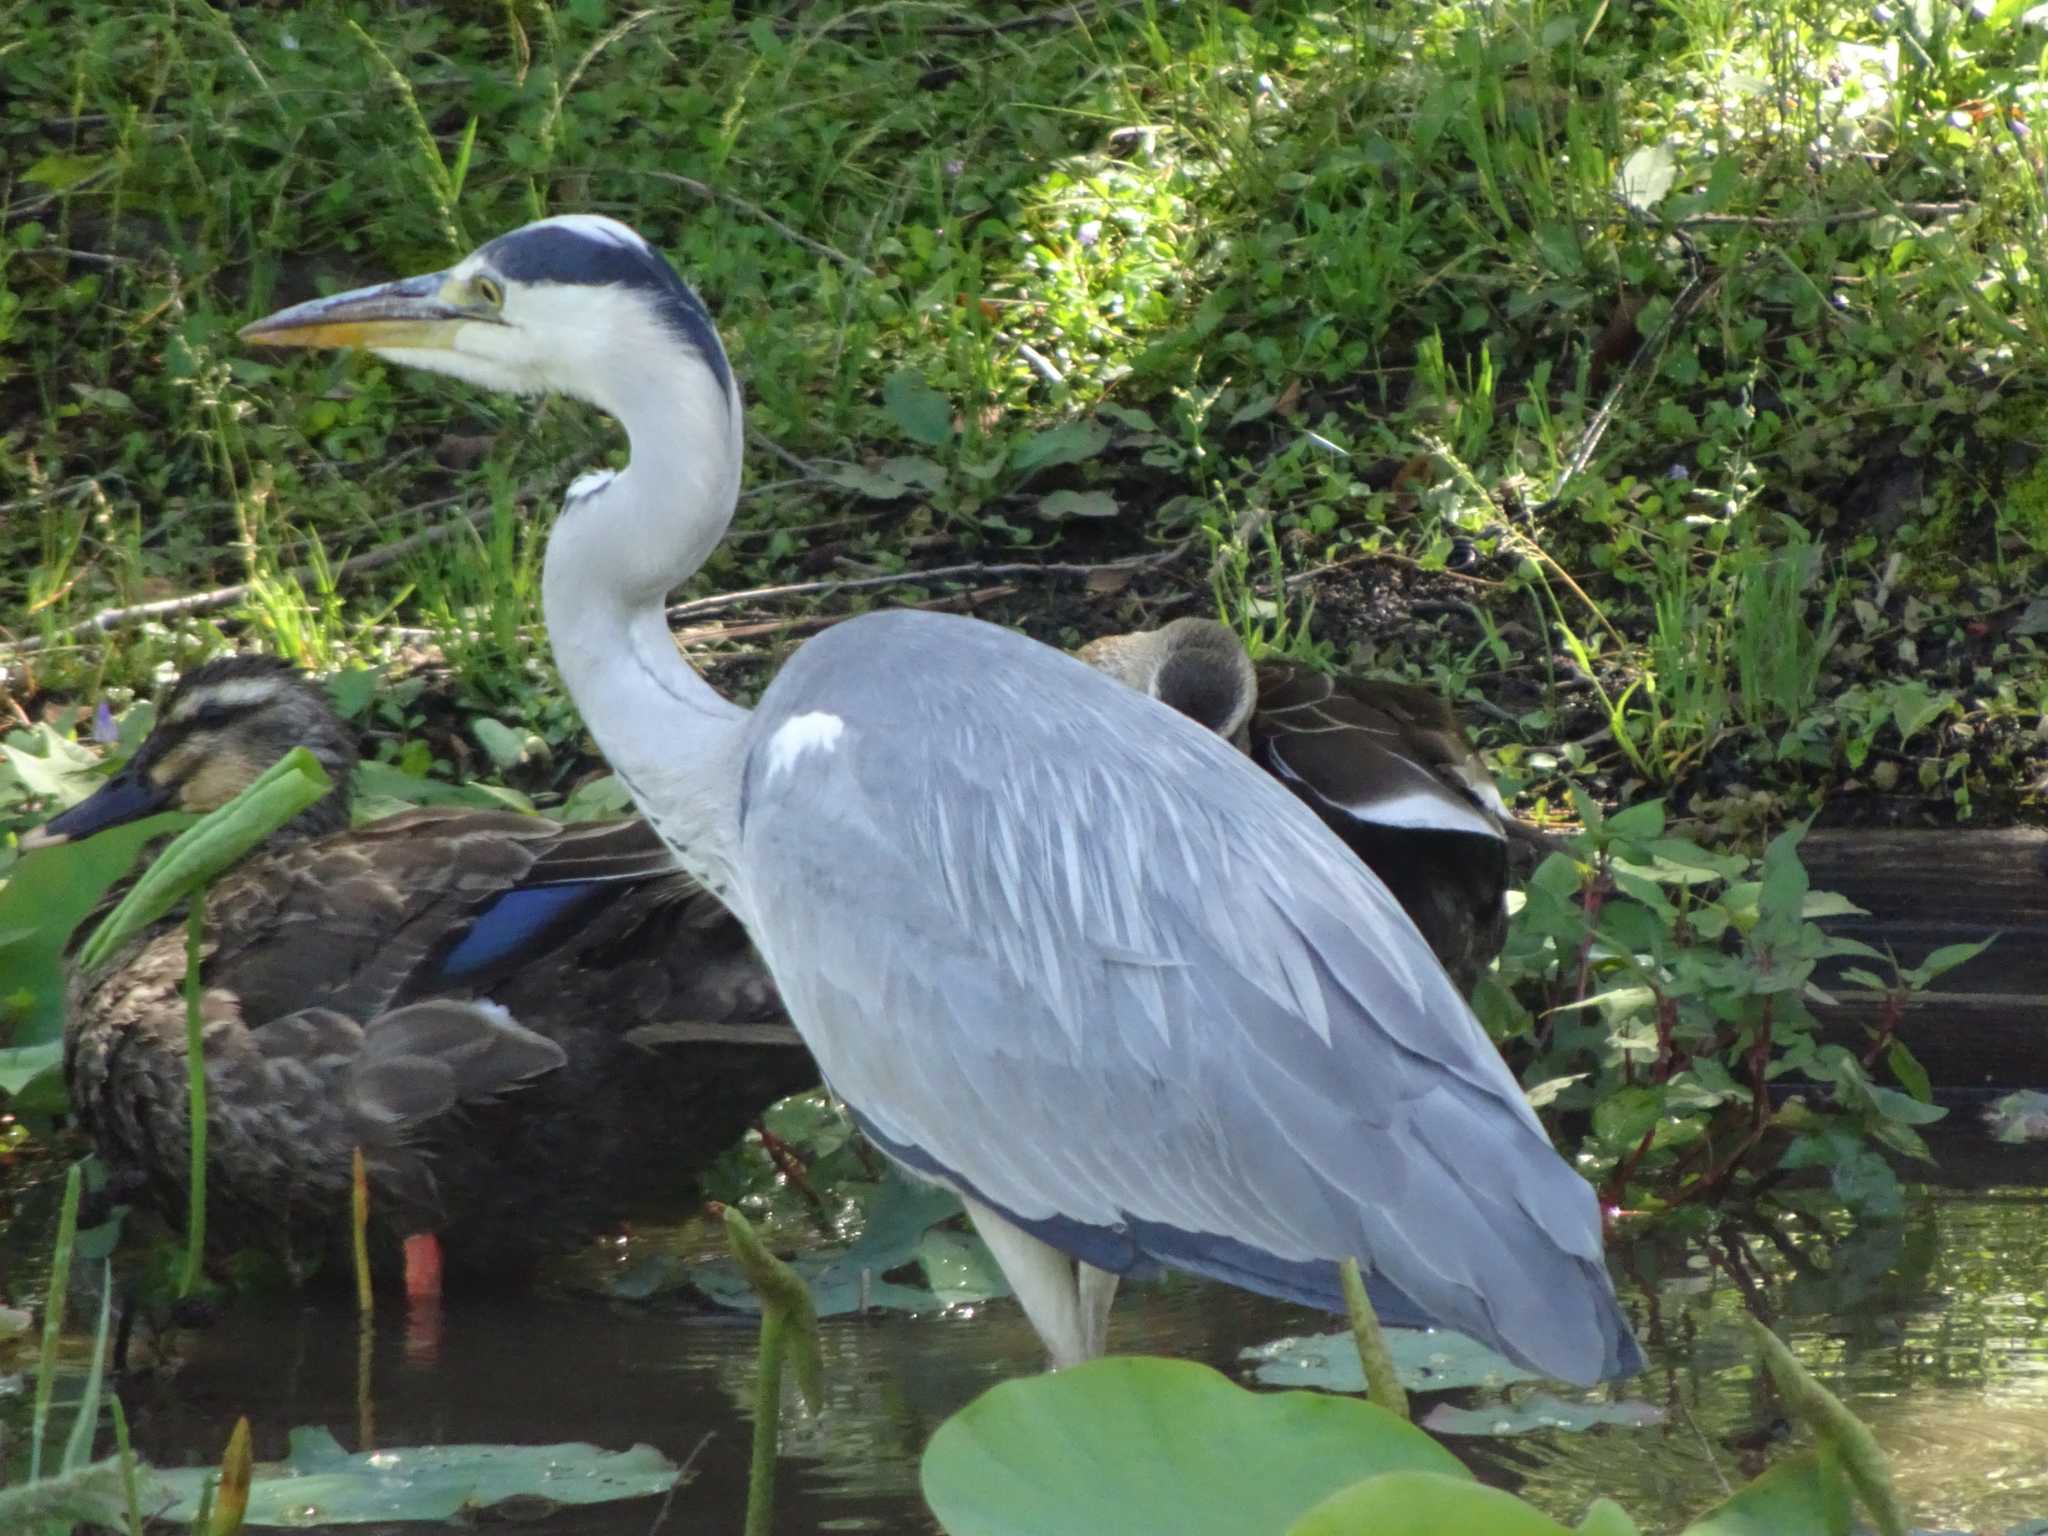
(491, 291)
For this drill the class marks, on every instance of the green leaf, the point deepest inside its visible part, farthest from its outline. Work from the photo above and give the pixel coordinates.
(1948, 957)
(1784, 877)
(1640, 822)
(48, 894)
(1056, 505)
(318, 1483)
(63, 771)
(1424, 1504)
(1646, 177)
(355, 690)
(395, 789)
(1086, 1448)
(210, 845)
(1909, 1109)
(21, 1064)
(891, 479)
(1794, 1495)
(1069, 443)
(1866, 1184)
(596, 799)
(1621, 1119)
(61, 172)
(923, 414)
(1820, 904)
(1914, 706)
(1690, 856)
(507, 748)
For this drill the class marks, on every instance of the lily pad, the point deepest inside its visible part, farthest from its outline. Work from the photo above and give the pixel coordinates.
(1129, 1443)
(897, 1232)
(1431, 1360)
(2019, 1117)
(1538, 1411)
(319, 1483)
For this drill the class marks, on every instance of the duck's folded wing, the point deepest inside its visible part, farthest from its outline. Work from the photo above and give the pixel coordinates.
(1397, 758)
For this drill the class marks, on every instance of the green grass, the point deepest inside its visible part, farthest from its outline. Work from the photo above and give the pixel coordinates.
(1636, 308)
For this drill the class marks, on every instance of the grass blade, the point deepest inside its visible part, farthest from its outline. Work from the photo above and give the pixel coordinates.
(53, 1318)
(127, 1459)
(195, 1095)
(78, 1448)
(208, 846)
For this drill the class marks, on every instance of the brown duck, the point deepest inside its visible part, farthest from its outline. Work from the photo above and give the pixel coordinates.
(1385, 765)
(526, 1026)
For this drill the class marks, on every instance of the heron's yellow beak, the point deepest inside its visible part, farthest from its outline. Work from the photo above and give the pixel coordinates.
(417, 313)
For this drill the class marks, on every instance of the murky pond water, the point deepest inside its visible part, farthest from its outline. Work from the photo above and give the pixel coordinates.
(1935, 1331)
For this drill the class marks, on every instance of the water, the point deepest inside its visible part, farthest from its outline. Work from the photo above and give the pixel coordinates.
(1934, 1331)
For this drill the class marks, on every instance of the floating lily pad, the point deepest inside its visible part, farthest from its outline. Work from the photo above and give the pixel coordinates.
(1130, 1443)
(1538, 1411)
(319, 1483)
(2019, 1117)
(1432, 1360)
(896, 1234)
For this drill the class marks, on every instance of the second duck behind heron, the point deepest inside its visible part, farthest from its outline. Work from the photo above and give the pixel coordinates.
(1385, 765)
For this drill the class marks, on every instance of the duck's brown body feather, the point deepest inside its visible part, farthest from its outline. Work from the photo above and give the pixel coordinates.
(527, 1027)
(316, 959)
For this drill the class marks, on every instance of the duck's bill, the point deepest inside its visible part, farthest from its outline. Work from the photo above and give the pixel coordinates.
(126, 797)
(413, 312)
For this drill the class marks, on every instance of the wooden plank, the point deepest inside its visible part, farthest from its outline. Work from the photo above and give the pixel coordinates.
(1984, 1024)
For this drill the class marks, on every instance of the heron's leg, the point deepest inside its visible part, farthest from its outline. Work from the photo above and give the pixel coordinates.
(1045, 1283)
(1097, 1290)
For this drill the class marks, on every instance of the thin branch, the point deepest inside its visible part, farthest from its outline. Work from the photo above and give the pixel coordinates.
(227, 597)
(1818, 220)
(706, 634)
(706, 605)
(775, 450)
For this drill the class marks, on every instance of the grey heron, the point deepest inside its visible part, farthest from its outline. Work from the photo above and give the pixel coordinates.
(1054, 944)
(1385, 764)
(521, 1023)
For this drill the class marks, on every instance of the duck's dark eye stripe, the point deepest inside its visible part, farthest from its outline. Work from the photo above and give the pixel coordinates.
(212, 716)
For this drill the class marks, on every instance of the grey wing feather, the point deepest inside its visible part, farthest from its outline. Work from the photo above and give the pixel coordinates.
(1080, 955)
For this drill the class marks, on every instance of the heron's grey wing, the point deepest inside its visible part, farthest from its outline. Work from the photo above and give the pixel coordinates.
(1060, 945)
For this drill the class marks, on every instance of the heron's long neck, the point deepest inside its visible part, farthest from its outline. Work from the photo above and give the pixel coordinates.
(611, 562)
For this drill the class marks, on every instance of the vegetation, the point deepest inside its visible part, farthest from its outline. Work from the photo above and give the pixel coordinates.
(1675, 361)
(1081, 1449)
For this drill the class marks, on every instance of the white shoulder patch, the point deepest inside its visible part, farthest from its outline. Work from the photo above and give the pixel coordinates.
(801, 735)
(588, 483)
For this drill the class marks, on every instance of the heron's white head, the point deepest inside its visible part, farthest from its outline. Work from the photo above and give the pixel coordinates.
(577, 305)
